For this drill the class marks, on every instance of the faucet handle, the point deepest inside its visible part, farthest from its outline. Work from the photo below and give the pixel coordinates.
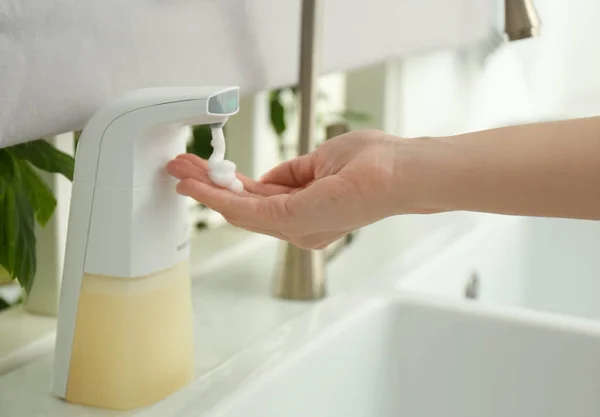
(521, 19)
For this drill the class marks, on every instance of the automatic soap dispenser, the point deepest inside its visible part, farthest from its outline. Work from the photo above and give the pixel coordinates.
(124, 337)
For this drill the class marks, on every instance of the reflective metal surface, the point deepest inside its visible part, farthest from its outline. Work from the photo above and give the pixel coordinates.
(300, 273)
(521, 20)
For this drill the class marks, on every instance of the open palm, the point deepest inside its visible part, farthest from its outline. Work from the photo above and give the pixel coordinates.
(311, 200)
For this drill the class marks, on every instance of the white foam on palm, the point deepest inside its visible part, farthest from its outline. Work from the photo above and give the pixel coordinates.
(221, 171)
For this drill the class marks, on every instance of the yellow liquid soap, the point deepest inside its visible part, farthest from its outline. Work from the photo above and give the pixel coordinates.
(133, 340)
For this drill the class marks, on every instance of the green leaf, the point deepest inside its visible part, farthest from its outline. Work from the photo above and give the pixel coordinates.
(17, 224)
(6, 178)
(45, 157)
(18, 251)
(76, 136)
(40, 196)
(3, 233)
(3, 304)
(6, 170)
(277, 112)
(200, 143)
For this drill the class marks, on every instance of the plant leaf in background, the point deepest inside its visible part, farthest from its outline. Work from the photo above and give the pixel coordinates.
(40, 196)
(6, 170)
(200, 143)
(45, 157)
(6, 176)
(277, 112)
(76, 136)
(24, 200)
(3, 232)
(19, 251)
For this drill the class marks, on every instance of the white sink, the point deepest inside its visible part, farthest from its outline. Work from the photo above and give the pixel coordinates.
(535, 263)
(409, 357)
(372, 350)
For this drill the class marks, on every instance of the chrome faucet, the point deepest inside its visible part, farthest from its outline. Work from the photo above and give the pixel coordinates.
(300, 273)
(521, 20)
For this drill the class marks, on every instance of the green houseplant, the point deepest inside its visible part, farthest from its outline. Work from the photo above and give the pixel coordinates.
(25, 199)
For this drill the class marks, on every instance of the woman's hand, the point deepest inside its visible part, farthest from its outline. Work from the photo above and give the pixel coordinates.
(348, 182)
(545, 169)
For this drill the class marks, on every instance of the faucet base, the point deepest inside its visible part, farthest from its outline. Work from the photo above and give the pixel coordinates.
(300, 274)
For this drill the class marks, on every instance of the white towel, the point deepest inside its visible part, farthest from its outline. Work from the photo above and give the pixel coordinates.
(60, 60)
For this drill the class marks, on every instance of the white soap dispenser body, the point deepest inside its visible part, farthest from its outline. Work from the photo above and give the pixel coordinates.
(124, 337)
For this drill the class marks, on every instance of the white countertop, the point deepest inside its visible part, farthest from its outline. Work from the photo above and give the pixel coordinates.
(234, 311)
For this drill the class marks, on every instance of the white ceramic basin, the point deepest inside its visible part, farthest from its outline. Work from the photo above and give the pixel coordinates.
(407, 357)
(536, 263)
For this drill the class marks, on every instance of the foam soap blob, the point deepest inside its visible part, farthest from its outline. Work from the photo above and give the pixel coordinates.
(220, 171)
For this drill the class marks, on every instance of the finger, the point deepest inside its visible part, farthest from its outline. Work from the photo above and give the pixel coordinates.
(230, 205)
(182, 169)
(249, 184)
(266, 190)
(241, 212)
(194, 159)
(293, 173)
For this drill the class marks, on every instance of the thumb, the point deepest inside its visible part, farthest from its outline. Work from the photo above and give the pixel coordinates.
(295, 172)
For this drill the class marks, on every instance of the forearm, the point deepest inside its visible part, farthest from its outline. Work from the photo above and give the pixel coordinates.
(545, 169)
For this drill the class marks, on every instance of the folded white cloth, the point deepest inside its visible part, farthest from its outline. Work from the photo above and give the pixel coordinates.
(60, 60)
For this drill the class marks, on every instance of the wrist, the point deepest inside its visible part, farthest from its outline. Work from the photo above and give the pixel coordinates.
(427, 175)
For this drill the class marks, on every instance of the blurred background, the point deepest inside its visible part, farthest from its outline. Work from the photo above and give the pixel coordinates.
(443, 69)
